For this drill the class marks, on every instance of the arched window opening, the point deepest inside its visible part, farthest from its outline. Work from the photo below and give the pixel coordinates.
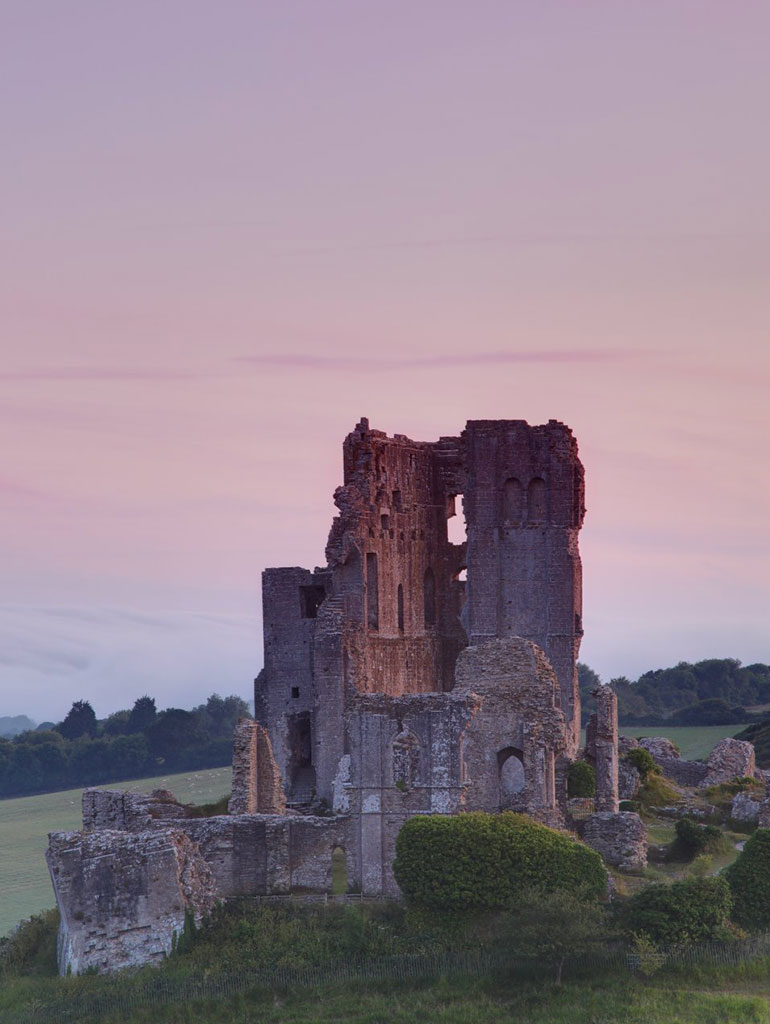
(406, 760)
(513, 494)
(339, 871)
(536, 500)
(455, 526)
(400, 608)
(429, 597)
(510, 763)
(372, 592)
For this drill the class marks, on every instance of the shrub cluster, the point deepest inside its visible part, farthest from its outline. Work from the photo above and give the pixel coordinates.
(695, 910)
(581, 779)
(749, 881)
(643, 761)
(693, 838)
(457, 862)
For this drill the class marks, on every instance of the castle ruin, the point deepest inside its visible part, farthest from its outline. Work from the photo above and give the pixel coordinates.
(410, 675)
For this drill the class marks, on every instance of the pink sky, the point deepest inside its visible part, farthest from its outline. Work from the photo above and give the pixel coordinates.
(230, 230)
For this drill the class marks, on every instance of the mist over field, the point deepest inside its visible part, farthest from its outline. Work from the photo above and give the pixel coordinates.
(110, 656)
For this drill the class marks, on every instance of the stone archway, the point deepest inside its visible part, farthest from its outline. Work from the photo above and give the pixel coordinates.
(512, 777)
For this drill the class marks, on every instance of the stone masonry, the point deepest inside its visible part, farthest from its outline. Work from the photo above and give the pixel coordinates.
(409, 675)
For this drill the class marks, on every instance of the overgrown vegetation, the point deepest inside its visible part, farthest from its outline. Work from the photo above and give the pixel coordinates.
(487, 860)
(581, 779)
(749, 881)
(693, 838)
(81, 751)
(695, 910)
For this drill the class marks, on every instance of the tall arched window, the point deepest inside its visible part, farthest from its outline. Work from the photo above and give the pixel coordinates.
(513, 494)
(429, 597)
(536, 500)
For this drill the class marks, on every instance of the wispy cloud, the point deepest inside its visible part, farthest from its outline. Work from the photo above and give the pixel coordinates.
(87, 373)
(308, 360)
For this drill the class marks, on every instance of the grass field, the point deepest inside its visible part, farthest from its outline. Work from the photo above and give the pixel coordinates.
(25, 823)
(694, 741)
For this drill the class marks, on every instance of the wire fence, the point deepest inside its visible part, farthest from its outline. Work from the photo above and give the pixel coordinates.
(121, 995)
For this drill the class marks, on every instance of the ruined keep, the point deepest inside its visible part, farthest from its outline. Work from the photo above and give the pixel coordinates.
(410, 675)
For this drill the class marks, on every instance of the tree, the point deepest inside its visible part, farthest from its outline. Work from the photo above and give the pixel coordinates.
(142, 714)
(555, 925)
(80, 721)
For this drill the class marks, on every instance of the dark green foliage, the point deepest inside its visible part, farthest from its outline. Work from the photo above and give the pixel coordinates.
(79, 721)
(629, 805)
(695, 910)
(712, 691)
(454, 862)
(749, 881)
(555, 925)
(31, 949)
(581, 779)
(713, 711)
(693, 838)
(44, 761)
(643, 761)
(142, 714)
(759, 735)
(588, 680)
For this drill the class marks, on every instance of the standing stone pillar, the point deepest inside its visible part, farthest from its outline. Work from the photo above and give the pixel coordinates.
(603, 739)
(257, 785)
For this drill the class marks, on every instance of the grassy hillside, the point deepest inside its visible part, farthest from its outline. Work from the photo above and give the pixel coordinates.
(289, 940)
(695, 742)
(25, 823)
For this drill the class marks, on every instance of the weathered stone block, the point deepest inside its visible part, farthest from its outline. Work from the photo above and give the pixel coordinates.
(730, 759)
(620, 838)
(122, 895)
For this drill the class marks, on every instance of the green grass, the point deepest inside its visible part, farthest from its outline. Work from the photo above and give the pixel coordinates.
(613, 998)
(695, 742)
(26, 821)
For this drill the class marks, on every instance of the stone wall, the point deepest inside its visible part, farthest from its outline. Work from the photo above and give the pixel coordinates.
(620, 838)
(122, 895)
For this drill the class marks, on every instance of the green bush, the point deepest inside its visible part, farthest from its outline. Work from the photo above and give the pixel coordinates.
(643, 761)
(749, 881)
(464, 861)
(31, 948)
(694, 910)
(692, 838)
(581, 779)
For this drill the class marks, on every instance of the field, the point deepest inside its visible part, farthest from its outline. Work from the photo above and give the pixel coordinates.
(695, 742)
(25, 823)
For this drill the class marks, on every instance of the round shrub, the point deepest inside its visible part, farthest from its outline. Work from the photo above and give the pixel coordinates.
(643, 761)
(581, 779)
(749, 881)
(692, 838)
(463, 861)
(695, 910)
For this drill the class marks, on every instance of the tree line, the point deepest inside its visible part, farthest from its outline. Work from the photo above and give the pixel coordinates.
(129, 744)
(717, 691)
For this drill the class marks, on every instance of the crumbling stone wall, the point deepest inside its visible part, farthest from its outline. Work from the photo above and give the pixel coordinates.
(620, 838)
(257, 785)
(391, 612)
(122, 895)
